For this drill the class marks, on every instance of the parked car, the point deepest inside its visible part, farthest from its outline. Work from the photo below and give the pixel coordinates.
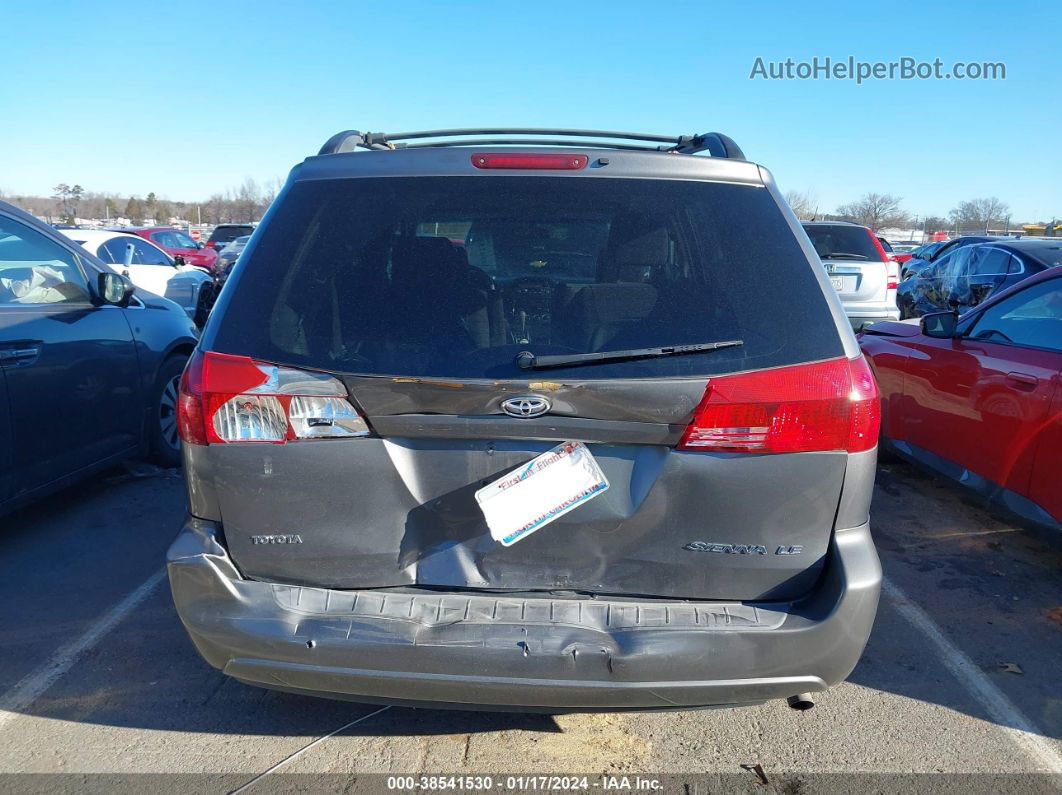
(977, 398)
(916, 265)
(902, 252)
(177, 244)
(229, 254)
(89, 364)
(151, 268)
(859, 269)
(224, 234)
(614, 451)
(967, 275)
(923, 252)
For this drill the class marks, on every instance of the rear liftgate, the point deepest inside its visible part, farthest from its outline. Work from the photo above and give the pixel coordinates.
(372, 481)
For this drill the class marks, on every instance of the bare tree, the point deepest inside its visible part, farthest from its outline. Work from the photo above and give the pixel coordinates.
(934, 223)
(91, 205)
(248, 200)
(213, 209)
(876, 210)
(803, 203)
(270, 191)
(979, 214)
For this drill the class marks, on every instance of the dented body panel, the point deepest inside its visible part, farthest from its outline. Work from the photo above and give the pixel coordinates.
(421, 525)
(526, 651)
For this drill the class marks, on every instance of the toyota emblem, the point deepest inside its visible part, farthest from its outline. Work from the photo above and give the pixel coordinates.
(526, 406)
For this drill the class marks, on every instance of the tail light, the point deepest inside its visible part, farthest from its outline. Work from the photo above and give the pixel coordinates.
(227, 398)
(523, 161)
(892, 270)
(830, 405)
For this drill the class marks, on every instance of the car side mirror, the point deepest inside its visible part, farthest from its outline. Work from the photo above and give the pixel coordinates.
(940, 325)
(178, 260)
(114, 289)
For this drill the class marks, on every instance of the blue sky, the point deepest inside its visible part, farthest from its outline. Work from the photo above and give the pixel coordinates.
(187, 99)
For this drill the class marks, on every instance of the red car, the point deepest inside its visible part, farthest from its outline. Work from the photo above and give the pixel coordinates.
(978, 398)
(902, 252)
(175, 242)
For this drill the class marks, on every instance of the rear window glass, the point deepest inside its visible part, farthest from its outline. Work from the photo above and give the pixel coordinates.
(452, 277)
(226, 234)
(1048, 255)
(843, 242)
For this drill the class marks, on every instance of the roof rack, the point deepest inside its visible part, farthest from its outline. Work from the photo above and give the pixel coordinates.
(716, 144)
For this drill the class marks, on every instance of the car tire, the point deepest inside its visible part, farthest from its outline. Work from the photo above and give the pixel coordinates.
(203, 305)
(164, 445)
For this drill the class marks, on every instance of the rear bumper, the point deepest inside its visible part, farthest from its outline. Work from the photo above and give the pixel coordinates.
(860, 316)
(492, 651)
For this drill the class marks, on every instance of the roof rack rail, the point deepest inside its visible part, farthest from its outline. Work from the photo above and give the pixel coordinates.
(716, 144)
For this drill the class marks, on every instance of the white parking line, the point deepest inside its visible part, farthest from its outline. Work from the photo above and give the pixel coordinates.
(962, 534)
(1018, 728)
(33, 684)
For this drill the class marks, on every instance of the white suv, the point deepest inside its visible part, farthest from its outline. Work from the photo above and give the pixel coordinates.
(859, 268)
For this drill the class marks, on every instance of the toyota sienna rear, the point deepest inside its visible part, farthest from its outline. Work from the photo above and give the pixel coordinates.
(560, 425)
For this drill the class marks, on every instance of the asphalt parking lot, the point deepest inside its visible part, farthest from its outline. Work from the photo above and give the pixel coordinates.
(99, 681)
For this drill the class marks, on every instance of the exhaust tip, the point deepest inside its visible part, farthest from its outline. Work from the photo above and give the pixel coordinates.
(802, 702)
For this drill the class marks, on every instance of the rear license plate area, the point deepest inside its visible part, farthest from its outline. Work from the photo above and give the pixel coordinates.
(540, 491)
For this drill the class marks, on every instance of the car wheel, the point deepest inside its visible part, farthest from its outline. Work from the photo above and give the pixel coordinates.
(164, 443)
(203, 306)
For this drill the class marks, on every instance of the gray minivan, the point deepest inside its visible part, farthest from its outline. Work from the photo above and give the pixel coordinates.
(529, 419)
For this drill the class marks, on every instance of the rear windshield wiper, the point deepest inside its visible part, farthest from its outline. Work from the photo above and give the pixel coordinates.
(526, 360)
(842, 255)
